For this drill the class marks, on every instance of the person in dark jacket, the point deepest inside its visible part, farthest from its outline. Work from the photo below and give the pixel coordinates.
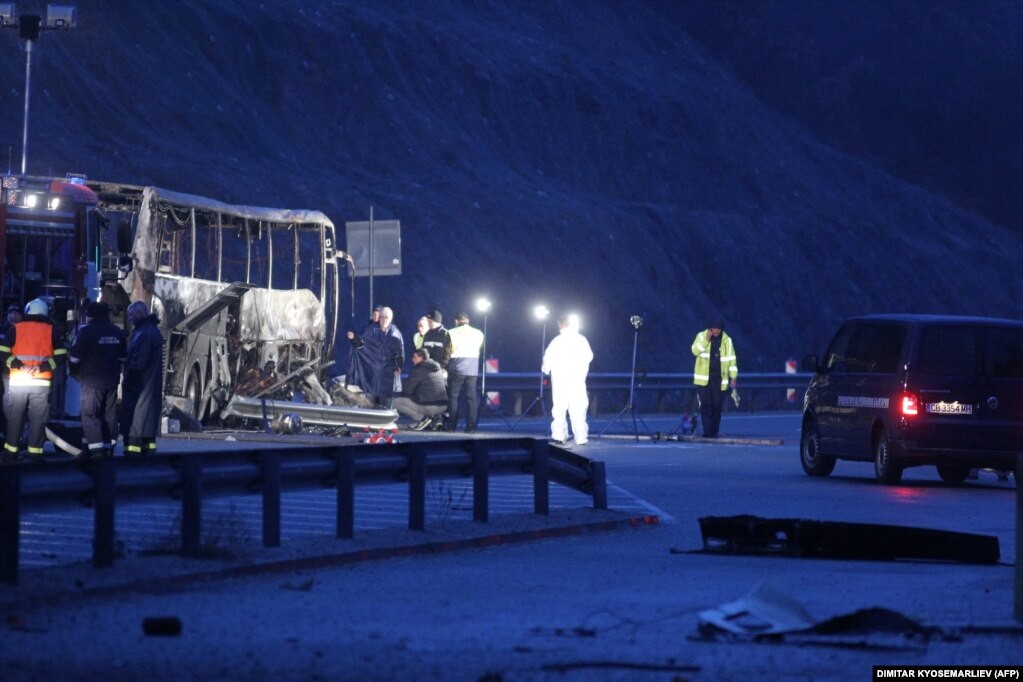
(142, 392)
(425, 394)
(96, 357)
(30, 351)
(436, 340)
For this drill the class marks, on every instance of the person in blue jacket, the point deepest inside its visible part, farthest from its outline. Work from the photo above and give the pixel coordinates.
(377, 359)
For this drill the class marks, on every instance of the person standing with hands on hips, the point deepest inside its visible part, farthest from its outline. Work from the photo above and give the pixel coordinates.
(567, 359)
(716, 369)
(31, 350)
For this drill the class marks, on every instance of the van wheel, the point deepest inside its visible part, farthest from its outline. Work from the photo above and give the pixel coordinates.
(810, 456)
(886, 470)
(953, 474)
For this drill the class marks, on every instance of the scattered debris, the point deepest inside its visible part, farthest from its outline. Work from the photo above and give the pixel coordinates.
(841, 540)
(305, 586)
(769, 615)
(670, 667)
(764, 611)
(162, 626)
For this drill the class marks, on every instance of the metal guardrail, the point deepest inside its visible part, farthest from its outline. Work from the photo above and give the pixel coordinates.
(193, 476)
(664, 392)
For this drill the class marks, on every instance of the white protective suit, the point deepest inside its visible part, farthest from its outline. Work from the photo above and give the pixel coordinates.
(567, 360)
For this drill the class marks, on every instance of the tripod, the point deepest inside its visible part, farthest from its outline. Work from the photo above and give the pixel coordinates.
(631, 405)
(486, 404)
(539, 398)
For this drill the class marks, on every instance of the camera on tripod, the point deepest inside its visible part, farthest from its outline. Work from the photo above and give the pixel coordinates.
(636, 321)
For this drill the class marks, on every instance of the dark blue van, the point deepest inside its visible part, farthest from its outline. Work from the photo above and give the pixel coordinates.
(910, 390)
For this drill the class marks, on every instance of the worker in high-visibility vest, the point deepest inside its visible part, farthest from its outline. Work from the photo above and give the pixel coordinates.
(716, 369)
(463, 372)
(31, 351)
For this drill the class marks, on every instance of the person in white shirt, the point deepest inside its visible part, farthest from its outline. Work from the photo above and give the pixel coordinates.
(567, 359)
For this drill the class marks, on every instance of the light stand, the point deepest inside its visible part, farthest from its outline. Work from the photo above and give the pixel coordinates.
(630, 407)
(541, 313)
(29, 26)
(483, 305)
(483, 374)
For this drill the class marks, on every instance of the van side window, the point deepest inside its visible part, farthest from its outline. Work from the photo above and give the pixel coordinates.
(949, 351)
(1004, 357)
(866, 349)
(834, 361)
(875, 348)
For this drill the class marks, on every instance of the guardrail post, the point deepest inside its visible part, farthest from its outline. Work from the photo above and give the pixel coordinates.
(104, 496)
(10, 521)
(480, 482)
(417, 486)
(597, 470)
(271, 461)
(191, 504)
(1018, 571)
(541, 477)
(345, 493)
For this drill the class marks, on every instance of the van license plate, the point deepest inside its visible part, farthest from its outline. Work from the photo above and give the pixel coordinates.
(949, 408)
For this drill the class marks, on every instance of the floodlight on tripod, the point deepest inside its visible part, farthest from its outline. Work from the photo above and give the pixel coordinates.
(540, 312)
(636, 322)
(483, 305)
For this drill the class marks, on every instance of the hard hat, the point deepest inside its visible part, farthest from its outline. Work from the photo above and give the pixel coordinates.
(37, 306)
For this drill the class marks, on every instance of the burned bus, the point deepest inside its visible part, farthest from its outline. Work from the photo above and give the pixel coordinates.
(248, 297)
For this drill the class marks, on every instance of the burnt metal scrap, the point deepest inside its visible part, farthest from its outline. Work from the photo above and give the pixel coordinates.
(770, 615)
(752, 535)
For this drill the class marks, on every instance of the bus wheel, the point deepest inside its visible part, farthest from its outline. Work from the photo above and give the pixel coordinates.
(193, 392)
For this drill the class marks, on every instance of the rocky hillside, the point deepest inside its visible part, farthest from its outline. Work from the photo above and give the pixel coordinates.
(592, 155)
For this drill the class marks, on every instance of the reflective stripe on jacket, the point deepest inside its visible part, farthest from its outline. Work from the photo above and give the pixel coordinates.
(701, 349)
(34, 347)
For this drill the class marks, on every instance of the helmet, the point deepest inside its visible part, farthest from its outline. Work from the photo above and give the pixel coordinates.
(37, 306)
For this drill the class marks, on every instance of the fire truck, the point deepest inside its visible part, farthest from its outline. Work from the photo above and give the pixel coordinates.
(49, 243)
(248, 297)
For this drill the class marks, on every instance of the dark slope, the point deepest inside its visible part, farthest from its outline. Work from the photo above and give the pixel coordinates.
(586, 154)
(929, 90)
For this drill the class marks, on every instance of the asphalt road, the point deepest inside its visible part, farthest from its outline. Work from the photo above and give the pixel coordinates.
(619, 605)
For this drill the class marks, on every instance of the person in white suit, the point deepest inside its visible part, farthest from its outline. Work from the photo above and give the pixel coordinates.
(567, 359)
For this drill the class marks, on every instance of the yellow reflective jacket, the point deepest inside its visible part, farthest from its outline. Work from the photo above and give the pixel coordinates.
(701, 349)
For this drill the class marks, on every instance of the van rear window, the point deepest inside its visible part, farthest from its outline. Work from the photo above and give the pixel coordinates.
(949, 351)
(1004, 356)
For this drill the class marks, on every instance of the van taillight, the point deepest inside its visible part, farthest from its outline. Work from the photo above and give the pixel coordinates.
(910, 404)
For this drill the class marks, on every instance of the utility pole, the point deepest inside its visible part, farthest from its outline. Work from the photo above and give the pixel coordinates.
(30, 27)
